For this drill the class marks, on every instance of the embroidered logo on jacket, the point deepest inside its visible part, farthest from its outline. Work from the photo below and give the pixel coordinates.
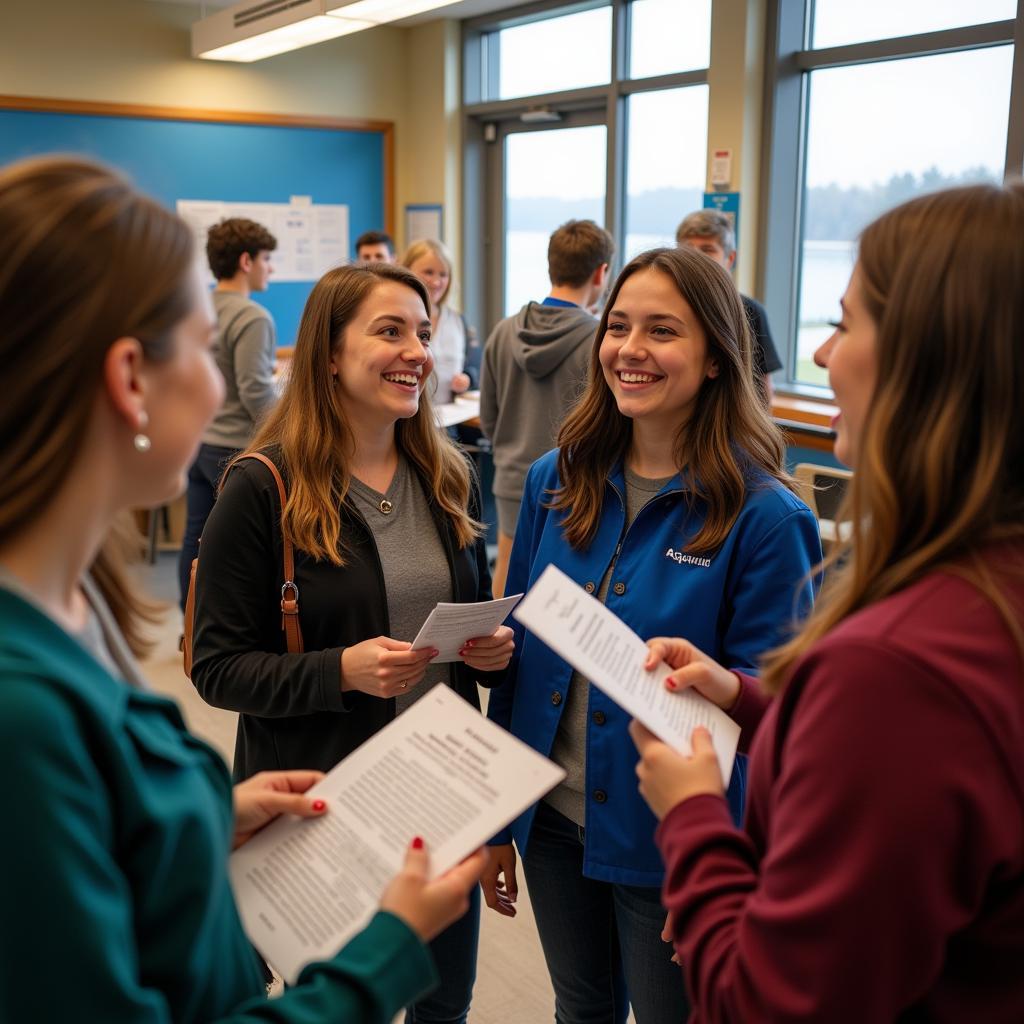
(680, 557)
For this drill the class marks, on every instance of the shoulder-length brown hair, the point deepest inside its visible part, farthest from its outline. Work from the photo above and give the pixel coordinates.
(729, 434)
(311, 427)
(940, 469)
(86, 259)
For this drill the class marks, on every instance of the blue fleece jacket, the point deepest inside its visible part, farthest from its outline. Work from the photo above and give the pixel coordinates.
(734, 604)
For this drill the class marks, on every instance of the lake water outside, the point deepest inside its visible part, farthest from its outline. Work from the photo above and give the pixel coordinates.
(826, 271)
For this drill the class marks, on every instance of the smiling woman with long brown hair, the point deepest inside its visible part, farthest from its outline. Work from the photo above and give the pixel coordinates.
(880, 875)
(667, 498)
(382, 511)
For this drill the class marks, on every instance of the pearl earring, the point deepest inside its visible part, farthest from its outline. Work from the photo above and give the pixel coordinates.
(141, 441)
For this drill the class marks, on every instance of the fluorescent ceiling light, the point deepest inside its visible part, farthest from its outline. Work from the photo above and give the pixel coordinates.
(254, 30)
(381, 11)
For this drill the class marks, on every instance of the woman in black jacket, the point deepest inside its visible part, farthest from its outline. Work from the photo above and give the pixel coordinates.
(382, 513)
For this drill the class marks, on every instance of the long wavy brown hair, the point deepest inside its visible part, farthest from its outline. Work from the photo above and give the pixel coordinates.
(310, 425)
(729, 434)
(86, 259)
(940, 468)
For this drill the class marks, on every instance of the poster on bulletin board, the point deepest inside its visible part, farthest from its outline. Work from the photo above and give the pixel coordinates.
(424, 220)
(311, 237)
(727, 203)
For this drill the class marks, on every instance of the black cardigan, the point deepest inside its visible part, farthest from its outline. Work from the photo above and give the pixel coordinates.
(292, 713)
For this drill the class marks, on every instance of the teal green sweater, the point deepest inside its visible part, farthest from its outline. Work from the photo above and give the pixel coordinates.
(117, 906)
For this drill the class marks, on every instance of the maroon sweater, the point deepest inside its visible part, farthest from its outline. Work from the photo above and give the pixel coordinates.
(880, 875)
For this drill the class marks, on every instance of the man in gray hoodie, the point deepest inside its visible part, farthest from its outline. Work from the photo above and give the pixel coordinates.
(535, 365)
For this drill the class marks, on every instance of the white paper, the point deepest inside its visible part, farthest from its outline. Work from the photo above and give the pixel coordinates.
(449, 626)
(601, 647)
(311, 238)
(441, 770)
(450, 413)
(721, 168)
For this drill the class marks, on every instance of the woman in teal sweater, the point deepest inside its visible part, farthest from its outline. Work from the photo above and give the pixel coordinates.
(117, 906)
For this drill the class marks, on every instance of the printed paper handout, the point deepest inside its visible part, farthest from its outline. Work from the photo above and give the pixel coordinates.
(449, 625)
(441, 770)
(601, 647)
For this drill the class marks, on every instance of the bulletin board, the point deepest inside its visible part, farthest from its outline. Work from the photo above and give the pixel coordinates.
(176, 154)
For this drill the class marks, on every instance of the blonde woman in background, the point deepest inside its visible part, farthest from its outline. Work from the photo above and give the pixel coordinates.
(453, 342)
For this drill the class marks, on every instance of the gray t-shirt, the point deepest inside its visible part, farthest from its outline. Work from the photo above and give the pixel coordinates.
(416, 572)
(569, 750)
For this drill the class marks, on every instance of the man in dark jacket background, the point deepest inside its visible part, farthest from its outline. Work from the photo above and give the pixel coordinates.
(535, 365)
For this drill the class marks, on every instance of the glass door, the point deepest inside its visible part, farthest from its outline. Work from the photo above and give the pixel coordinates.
(548, 175)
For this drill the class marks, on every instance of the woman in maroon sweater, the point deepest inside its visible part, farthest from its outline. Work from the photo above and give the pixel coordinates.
(880, 873)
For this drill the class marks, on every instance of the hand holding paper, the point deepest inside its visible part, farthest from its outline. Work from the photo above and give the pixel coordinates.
(449, 626)
(601, 647)
(440, 771)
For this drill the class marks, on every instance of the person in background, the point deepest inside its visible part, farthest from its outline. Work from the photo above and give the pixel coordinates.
(880, 873)
(454, 343)
(383, 514)
(238, 251)
(711, 232)
(375, 247)
(535, 366)
(120, 821)
(667, 499)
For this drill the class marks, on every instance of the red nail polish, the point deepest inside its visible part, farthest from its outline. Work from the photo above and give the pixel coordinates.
(671, 684)
(417, 843)
(318, 805)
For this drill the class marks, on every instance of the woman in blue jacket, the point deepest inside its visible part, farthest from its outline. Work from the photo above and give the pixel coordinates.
(667, 498)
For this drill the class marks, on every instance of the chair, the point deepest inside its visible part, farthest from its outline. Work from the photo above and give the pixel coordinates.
(822, 488)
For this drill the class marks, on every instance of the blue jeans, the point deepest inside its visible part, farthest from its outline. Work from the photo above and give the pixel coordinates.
(203, 481)
(454, 952)
(601, 940)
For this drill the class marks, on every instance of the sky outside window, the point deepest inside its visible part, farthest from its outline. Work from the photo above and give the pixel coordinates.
(570, 52)
(879, 134)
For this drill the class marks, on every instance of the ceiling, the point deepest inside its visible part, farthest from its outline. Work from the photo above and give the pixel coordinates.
(460, 9)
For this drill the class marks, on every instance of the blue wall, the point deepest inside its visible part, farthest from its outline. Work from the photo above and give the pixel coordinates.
(241, 163)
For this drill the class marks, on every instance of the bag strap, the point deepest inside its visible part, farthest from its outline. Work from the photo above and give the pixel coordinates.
(289, 591)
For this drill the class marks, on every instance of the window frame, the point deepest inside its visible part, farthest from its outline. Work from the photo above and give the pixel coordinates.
(788, 66)
(485, 126)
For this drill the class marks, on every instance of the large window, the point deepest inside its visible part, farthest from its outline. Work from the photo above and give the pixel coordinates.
(666, 158)
(880, 102)
(596, 111)
(570, 52)
(550, 177)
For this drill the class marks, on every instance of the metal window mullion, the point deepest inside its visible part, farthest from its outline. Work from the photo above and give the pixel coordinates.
(658, 83)
(569, 99)
(1014, 166)
(973, 37)
(782, 172)
(615, 121)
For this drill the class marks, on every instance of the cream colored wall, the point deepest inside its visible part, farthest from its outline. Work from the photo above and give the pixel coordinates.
(137, 51)
(430, 147)
(735, 113)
